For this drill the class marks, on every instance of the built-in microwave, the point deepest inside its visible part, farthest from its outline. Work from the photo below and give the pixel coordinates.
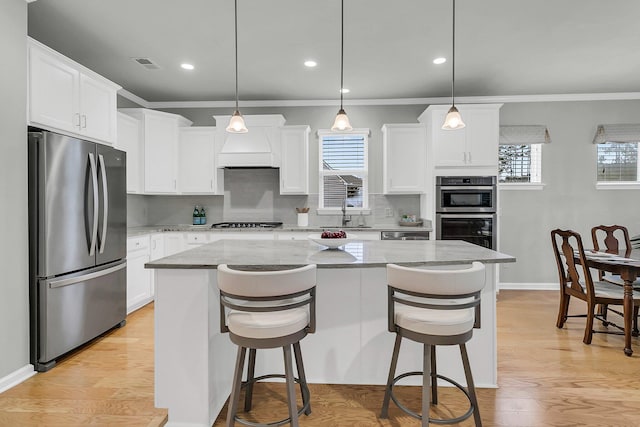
(466, 194)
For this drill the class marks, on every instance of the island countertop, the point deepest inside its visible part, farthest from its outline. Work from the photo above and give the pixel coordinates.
(358, 253)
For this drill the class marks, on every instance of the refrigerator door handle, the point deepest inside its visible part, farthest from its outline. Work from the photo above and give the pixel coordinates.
(94, 179)
(105, 202)
(70, 281)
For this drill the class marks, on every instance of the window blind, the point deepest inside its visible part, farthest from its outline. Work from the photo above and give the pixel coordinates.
(617, 133)
(524, 135)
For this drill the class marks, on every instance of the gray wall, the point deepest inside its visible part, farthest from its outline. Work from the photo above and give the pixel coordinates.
(14, 290)
(569, 199)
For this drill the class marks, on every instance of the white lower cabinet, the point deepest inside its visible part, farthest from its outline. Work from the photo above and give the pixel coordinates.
(194, 240)
(174, 242)
(242, 235)
(139, 279)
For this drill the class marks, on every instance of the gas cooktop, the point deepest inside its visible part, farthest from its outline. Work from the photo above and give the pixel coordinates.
(261, 224)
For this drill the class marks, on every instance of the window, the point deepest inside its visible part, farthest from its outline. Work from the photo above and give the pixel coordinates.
(343, 170)
(618, 162)
(520, 163)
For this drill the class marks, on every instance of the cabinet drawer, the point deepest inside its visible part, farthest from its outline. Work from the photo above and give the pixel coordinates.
(137, 243)
(197, 238)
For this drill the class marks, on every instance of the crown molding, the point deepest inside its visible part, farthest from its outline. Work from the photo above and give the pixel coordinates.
(616, 96)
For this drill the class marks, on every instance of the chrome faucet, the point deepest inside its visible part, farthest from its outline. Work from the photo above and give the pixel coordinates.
(346, 219)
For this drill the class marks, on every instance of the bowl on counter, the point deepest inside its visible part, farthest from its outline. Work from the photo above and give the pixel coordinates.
(330, 243)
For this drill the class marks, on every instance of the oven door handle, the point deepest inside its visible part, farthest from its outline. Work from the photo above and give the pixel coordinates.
(469, 187)
(467, 215)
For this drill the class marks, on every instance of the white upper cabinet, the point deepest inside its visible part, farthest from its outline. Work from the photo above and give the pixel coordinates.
(130, 142)
(294, 166)
(474, 146)
(66, 97)
(197, 173)
(404, 158)
(159, 135)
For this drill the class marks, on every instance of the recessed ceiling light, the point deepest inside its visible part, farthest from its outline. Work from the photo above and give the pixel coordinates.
(439, 61)
(187, 66)
(345, 90)
(310, 63)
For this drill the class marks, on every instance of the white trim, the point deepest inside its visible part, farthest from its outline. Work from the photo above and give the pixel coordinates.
(511, 186)
(528, 286)
(16, 377)
(617, 185)
(615, 96)
(134, 98)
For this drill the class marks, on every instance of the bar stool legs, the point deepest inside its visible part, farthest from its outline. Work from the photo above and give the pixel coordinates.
(290, 381)
(430, 386)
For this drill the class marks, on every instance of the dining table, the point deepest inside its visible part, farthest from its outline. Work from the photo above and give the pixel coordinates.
(627, 266)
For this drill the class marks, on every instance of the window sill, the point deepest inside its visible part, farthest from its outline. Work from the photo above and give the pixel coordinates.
(521, 186)
(618, 185)
(351, 211)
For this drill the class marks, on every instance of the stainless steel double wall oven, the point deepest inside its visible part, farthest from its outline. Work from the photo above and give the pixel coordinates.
(466, 209)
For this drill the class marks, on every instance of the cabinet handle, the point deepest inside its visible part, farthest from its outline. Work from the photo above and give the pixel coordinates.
(465, 157)
(175, 184)
(84, 121)
(470, 157)
(212, 184)
(77, 117)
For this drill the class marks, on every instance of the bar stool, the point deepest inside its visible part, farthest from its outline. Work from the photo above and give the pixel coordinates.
(434, 307)
(267, 309)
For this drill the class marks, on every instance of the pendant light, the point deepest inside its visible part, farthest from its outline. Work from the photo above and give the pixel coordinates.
(236, 124)
(453, 120)
(341, 124)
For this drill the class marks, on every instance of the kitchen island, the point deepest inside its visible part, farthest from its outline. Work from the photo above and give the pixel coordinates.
(194, 361)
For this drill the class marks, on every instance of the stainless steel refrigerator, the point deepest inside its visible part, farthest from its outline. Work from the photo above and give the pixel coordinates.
(77, 243)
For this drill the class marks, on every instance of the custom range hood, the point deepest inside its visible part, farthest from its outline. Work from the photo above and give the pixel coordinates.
(258, 148)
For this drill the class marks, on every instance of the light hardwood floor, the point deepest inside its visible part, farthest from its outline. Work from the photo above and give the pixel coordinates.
(547, 377)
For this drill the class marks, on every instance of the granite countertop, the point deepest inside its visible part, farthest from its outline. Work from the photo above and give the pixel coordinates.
(359, 253)
(136, 231)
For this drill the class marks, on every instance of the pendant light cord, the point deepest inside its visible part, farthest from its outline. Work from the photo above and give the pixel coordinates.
(236, 48)
(453, 58)
(341, 51)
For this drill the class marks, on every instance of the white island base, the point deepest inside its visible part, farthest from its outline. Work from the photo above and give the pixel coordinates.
(194, 361)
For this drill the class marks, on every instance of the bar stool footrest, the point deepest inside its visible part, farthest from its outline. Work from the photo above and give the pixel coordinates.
(433, 420)
(305, 399)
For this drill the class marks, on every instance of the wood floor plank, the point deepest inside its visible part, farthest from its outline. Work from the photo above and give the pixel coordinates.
(547, 378)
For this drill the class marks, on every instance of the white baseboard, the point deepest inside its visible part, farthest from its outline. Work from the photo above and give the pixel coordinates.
(16, 377)
(553, 286)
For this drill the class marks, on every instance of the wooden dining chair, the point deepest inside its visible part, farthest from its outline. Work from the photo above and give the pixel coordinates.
(576, 281)
(608, 238)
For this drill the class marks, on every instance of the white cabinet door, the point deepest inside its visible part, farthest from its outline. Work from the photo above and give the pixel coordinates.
(364, 235)
(128, 140)
(97, 109)
(174, 243)
(404, 158)
(53, 91)
(66, 97)
(475, 145)
(197, 173)
(197, 239)
(293, 235)
(483, 136)
(294, 168)
(160, 154)
(139, 279)
(157, 246)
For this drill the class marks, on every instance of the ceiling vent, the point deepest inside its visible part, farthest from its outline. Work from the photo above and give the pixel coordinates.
(147, 63)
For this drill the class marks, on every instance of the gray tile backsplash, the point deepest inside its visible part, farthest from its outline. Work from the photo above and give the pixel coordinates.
(254, 195)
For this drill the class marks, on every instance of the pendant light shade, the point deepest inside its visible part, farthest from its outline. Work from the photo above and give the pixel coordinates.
(453, 120)
(236, 124)
(341, 124)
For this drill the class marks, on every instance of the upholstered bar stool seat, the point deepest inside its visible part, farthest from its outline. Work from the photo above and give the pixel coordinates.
(267, 309)
(433, 307)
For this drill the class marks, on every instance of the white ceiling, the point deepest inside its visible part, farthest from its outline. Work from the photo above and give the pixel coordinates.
(503, 47)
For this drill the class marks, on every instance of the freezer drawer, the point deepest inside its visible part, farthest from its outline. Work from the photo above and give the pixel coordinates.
(75, 308)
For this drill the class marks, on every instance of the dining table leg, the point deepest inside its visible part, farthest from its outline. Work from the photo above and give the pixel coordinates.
(628, 313)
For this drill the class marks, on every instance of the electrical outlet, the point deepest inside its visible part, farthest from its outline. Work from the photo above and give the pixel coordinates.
(388, 212)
